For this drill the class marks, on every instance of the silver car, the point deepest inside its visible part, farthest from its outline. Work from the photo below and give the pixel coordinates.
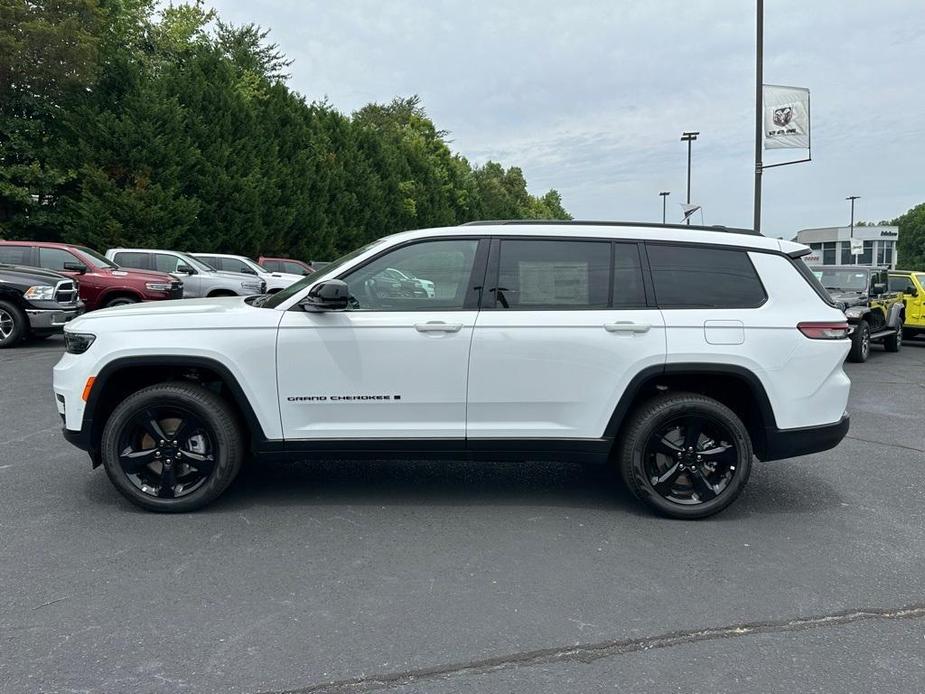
(199, 278)
(240, 263)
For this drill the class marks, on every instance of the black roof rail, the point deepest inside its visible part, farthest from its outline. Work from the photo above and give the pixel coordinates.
(589, 222)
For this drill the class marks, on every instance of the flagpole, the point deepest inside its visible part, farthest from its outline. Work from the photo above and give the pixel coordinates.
(759, 110)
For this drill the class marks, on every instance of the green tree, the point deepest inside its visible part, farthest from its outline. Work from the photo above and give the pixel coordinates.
(911, 243)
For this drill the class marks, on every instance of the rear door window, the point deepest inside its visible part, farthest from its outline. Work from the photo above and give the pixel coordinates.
(687, 276)
(14, 255)
(133, 259)
(538, 274)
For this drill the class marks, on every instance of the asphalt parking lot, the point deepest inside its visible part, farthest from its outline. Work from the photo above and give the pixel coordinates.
(444, 577)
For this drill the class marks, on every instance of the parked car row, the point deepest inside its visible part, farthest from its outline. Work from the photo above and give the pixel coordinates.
(881, 305)
(37, 279)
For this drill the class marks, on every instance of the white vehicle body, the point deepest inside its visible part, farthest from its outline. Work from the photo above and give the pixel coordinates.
(474, 374)
(242, 264)
(199, 279)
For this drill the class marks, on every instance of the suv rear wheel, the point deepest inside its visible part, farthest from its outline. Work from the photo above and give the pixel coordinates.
(685, 455)
(860, 343)
(172, 447)
(893, 343)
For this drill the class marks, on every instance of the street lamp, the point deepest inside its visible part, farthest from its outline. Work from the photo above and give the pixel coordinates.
(689, 137)
(852, 198)
(664, 195)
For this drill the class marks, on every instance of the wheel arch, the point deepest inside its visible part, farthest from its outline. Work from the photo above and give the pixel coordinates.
(735, 386)
(111, 293)
(129, 374)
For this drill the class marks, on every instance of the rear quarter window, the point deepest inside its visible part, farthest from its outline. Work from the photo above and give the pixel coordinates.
(687, 276)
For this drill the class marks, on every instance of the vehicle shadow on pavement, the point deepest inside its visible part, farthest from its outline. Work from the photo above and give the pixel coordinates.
(774, 488)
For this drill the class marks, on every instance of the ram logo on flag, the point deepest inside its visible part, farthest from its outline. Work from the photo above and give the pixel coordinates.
(786, 117)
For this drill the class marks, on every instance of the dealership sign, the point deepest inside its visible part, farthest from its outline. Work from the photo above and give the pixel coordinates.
(786, 117)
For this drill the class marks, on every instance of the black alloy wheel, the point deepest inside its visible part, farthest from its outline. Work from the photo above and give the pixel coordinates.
(690, 459)
(685, 455)
(166, 452)
(172, 447)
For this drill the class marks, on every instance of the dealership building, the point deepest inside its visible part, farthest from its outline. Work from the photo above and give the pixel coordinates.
(832, 245)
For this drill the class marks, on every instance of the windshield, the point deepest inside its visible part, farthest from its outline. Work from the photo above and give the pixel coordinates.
(329, 270)
(101, 260)
(842, 279)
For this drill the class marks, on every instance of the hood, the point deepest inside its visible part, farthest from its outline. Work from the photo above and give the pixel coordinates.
(158, 310)
(845, 299)
(132, 273)
(33, 275)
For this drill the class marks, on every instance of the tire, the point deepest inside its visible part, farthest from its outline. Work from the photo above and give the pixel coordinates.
(13, 325)
(123, 300)
(909, 333)
(645, 453)
(860, 343)
(210, 426)
(894, 342)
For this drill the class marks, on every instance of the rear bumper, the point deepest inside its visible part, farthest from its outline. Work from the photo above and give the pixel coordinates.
(790, 443)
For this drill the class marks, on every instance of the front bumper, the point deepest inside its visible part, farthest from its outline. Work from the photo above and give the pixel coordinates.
(52, 319)
(790, 443)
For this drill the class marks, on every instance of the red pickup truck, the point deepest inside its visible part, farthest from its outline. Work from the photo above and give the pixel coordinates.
(102, 282)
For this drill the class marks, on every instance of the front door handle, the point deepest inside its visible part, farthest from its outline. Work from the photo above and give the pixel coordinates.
(438, 327)
(625, 326)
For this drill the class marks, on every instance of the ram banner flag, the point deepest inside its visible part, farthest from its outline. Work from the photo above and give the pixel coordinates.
(688, 210)
(786, 117)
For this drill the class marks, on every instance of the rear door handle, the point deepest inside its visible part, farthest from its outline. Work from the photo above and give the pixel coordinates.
(438, 327)
(625, 326)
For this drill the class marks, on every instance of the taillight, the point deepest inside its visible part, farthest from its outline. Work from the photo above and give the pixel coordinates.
(825, 331)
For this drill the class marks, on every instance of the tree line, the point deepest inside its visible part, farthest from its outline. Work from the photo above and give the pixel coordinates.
(126, 123)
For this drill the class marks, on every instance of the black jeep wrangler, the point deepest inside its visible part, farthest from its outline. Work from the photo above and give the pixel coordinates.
(34, 303)
(875, 313)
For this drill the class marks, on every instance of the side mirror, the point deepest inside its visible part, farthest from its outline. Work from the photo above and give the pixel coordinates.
(185, 269)
(330, 295)
(878, 288)
(911, 291)
(79, 268)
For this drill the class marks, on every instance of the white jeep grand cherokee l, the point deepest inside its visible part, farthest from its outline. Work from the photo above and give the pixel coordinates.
(677, 353)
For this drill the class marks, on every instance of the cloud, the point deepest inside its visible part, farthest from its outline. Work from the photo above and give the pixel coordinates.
(590, 97)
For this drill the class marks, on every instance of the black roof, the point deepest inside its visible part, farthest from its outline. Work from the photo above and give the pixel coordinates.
(589, 222)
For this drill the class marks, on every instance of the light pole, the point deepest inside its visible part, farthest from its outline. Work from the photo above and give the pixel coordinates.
(664, 195)
(689, 137)
(759, 110)
(852, 198)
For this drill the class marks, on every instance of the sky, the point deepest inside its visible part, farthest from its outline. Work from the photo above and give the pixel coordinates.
(590, 96)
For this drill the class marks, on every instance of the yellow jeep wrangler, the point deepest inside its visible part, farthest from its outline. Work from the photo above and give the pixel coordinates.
(912, 286)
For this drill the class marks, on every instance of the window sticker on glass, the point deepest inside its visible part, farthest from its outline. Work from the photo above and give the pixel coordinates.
(553, 283)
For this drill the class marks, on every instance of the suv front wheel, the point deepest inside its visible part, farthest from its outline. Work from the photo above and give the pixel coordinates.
(685, 455)
(172, 447)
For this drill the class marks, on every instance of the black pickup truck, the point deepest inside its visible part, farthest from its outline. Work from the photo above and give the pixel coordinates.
(34, 303)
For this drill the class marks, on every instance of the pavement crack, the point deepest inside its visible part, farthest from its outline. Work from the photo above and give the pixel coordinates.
(885, 443)
(590, 652)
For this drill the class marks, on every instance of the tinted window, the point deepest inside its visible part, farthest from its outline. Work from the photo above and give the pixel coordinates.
(14, 255)
(55, 258)
(628, 289)
(271, 265)
(166, 263)
(132, 259)
(900, 283)
(553, 274)
(692, 276)
(432, 275)
(293, 268)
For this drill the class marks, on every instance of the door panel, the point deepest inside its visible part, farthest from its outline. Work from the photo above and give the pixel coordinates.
(552, 374)
(373, 375)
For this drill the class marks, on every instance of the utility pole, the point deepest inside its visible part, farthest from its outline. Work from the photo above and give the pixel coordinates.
(689, 137)
(759, 109)
(852, 198)
(664, 195)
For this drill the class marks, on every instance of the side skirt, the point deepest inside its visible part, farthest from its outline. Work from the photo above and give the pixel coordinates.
(566, 450)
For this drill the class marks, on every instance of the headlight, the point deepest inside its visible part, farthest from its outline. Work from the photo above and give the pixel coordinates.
(158, 286)
(41, 292)
(77, 343)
